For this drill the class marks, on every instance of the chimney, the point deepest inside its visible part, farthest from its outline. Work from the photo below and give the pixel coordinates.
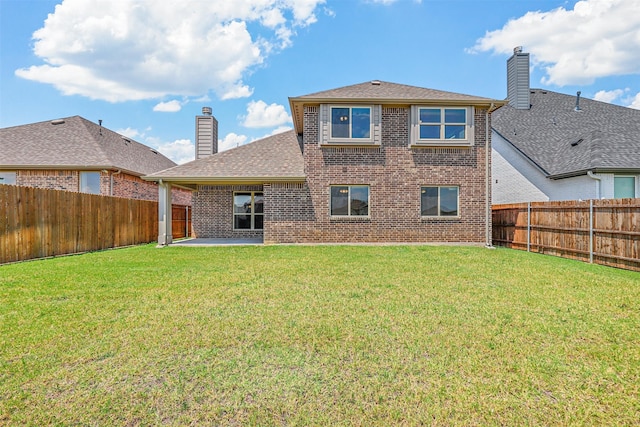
(206, 134)
(518, 80)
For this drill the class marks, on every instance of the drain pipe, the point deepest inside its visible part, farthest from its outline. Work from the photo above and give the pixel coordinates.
(487, 190)
(119, 171)
(597, 178)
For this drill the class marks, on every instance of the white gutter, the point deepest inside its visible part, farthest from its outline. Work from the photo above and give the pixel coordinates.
(597, 178)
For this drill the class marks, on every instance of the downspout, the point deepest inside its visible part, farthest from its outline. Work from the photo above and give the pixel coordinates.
(487, 190)
(597, 178)
(111, 184)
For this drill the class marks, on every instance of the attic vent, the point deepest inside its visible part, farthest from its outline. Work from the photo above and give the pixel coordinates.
(126, 140)
(375, 82)
(574, 143)
(57, 122)
(153, 151)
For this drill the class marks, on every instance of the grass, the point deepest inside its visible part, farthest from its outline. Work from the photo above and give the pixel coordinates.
(326, 335)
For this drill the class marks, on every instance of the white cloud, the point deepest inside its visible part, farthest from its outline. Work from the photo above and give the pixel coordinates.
(261, 115)
(145, 49)
(168, 107)
(608, 95)
(635, 103)
(180, 151)
(232, 140)
(597, 38)
(129, 133)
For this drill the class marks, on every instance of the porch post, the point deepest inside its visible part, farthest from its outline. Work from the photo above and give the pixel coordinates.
(164, 214)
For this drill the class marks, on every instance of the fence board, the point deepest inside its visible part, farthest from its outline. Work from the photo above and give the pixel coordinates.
(39, 223)
(601, 231)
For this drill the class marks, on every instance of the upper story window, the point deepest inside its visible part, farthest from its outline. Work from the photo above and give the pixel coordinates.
(90, 182)
(441, 125)
(350, 124)
(8, 178)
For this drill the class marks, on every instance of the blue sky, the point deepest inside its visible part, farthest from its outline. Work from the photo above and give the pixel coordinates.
(147, 67)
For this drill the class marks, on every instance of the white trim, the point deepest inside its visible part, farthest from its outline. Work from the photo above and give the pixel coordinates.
(325, 125)
(469, 133)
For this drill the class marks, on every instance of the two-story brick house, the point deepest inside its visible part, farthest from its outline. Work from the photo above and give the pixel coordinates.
(371, 162)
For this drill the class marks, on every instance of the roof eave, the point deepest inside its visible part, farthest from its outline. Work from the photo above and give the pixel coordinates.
(70, 167)
(229, 180)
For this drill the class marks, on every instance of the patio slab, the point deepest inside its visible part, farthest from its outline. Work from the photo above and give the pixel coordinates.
(216, 242)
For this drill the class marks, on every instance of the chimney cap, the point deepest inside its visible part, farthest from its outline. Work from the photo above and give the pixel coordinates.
(207, 111)
(517, 49)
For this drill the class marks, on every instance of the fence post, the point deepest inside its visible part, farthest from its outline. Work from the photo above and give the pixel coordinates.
(528, 226)
(591, 231)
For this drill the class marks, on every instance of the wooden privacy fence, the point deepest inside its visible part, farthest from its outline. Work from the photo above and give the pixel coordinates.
(39, 223)
(599, 231)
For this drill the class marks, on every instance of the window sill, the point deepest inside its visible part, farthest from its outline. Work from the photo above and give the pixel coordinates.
(440, 218)
(349, 144)
(441, 144)
(362, 218)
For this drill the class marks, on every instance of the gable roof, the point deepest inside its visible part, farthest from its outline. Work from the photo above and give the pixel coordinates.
(382, 92)
(276, 158)
(564, 142)
(76, 143)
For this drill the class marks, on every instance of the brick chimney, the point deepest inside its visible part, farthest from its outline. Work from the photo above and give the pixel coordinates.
(206, 134)
(518, 92)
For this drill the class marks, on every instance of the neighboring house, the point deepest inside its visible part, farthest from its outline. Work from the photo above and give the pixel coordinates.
(551, 146)
(74, 154)
(372, 162)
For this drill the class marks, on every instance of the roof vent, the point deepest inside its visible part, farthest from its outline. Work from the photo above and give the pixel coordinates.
(375, 82)
(57, 122)
(153, 151)
(126, 140)
(578, 102)
(207, 111)
(574, 143)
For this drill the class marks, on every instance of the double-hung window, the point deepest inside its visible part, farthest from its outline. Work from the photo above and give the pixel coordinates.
(441, 125)
(350, 200)
(439, 201)
(248, 210)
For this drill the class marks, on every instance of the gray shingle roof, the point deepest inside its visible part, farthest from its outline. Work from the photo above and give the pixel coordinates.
(382, 92)
(275, 158)
(565, 142)
(76, 143)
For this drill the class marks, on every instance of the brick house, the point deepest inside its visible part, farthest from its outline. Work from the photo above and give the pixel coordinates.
(75, 154)
(371, 162)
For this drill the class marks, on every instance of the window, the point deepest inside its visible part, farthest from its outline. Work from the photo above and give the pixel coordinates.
(439, 201)
(8, 178)
(248, 211)
(440, 124)
(351, 123)
(90, 182)
(624, 187)
(350, 200)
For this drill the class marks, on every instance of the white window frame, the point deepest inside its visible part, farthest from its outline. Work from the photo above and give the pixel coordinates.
(635, 183)
(468, 140)
(82, 182)
(349, 187)
(439, 215)
(252, 214)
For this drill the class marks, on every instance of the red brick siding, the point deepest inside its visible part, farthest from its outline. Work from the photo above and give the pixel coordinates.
(213, 212)
(395, 174)
(124, 185)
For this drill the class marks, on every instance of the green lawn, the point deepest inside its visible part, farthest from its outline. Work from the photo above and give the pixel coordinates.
(318, 335)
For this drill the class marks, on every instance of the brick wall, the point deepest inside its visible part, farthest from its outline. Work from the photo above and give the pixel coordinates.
(124, 185)
(213, 212)
(395, 173)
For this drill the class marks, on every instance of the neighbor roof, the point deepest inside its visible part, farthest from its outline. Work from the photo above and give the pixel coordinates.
(382, 92)
(564, 142)
(76, 143)
(276, 158)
